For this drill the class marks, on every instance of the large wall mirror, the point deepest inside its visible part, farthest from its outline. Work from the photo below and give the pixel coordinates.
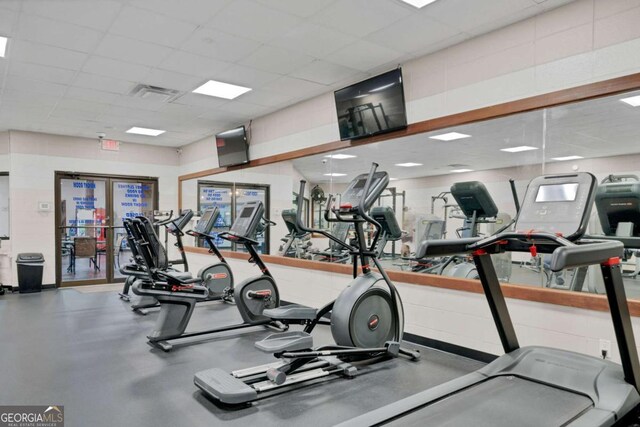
(599, 135)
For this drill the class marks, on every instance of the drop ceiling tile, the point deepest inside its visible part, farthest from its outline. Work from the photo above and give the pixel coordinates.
(294, 87)
(193, 11)
(97, 15)
(465, 16)
(42, 72)
(27, 99)
(361, 17)
(24, 51)
(102, 83)
(13, 5)
(172, 80)
(303, 9)
(194, 65)
(199, 100)
(129, 50)
(267, 98)
(148, 26)
(138, 103)
(74, 114)
(184, 112)
(412, 33)
(116, 69)
(68, 36)
(91, 95)
(216, 44)
(245, 76)
(24, 84)
(325, 73)
(76, 104)
(276, 60)
(8, 21)
(252, 20)
(363, 55)
(244, 109)
(312, 39)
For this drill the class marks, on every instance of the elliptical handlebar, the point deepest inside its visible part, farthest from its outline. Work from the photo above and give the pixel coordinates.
(164, 221)
(303, 227)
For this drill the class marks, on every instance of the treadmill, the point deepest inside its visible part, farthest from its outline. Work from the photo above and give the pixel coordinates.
(534, 386)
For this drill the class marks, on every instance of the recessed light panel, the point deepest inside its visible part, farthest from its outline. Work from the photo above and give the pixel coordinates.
(408, 165)
(221, 90)
(146, 131)
(451, 136)
(340, 156)
(634, 101)
(518, 149)
(3, 46)
(335, 174)
(461, 170)
(418, 3)
(562, 159)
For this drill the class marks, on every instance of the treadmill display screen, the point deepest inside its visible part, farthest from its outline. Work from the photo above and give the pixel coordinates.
(202, 224)
(246, 213)
(557, 193)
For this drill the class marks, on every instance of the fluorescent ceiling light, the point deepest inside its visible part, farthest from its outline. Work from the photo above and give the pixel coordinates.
(408, 165)
(393, 179)
(145, 131)
(382, 87)
(461, 170)
(3, 46)
(518, 149)
(335, 174)
(634, 101)
(340, 156)
(562, 159)
(221, 90)
(418, 3)
(451, 136)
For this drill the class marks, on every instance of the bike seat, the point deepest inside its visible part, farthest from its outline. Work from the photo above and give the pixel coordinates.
(291, 312)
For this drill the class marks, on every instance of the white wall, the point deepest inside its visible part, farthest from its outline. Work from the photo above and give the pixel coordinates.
(33, 160)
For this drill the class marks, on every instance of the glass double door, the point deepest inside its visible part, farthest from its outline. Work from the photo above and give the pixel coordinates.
(230, 198)
(90, 238)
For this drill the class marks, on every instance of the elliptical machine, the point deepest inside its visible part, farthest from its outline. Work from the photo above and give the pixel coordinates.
(367, 319)
(178, 296)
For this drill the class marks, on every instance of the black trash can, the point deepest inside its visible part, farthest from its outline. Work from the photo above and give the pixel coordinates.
(30, 268)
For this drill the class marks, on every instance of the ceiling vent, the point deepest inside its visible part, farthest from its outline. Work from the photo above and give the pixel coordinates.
(154, 93)
(456, 165)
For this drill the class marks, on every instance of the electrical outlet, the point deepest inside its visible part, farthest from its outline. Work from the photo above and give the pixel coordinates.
(605, 349)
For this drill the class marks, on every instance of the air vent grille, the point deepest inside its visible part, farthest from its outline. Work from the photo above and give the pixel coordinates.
(154, 93)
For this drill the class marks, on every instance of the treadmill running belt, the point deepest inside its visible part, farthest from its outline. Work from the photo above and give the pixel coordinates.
(501, 401)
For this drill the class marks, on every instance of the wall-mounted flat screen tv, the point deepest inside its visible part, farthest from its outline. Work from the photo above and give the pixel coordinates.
(373, 106)
(232, 146)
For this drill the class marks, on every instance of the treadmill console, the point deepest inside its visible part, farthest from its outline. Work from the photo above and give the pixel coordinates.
(180, 222)
(617, 203)
(386, 217)
(207, 221)
(559, 204)
(247, 222)
(353, 195)
(473, 196)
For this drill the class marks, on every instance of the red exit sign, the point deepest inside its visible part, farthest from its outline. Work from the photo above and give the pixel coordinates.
(110, 145)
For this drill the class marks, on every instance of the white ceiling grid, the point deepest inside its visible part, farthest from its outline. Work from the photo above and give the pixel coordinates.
(71, 64)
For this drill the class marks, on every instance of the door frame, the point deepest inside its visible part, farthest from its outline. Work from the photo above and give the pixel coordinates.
(108, 178)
